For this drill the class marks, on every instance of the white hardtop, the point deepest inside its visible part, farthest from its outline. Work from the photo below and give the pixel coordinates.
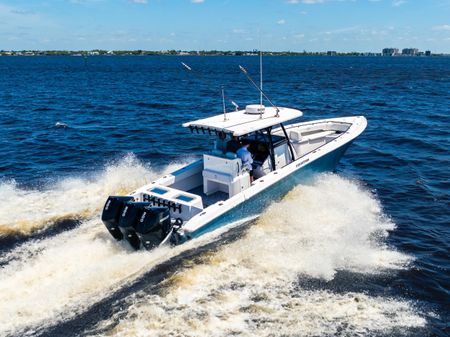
(243, 122)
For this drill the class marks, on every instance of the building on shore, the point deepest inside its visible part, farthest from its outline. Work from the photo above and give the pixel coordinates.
(428, 53)
(390, 51)
(410, 51)
(331, 53)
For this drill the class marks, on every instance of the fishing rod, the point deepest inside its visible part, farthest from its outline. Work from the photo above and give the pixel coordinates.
(259, 89)
(199, 75)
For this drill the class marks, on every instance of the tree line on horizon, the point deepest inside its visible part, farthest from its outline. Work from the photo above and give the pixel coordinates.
(102, 52)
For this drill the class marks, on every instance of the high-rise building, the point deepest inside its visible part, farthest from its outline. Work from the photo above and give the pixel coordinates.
(410, 51)
(390, 51)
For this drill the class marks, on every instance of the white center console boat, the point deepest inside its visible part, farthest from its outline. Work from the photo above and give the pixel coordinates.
(218, 189)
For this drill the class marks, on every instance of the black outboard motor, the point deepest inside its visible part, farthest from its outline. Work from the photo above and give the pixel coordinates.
(128, 221)
(153, 226)
(111, 214)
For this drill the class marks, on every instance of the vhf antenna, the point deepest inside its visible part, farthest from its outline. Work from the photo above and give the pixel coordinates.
(236, 106)
(260, 78)
(224, 107)
(260, 90)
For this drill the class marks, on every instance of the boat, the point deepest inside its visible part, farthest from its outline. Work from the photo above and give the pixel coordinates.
(219, 188)
(216, 189)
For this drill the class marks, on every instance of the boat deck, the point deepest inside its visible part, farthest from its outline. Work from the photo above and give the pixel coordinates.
(208, 200)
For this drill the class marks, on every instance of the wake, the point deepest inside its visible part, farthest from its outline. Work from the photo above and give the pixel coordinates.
(248, 287)
(24, 212)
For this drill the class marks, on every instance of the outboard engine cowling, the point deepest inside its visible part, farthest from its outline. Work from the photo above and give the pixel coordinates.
(111, 214)
(153, 226)
(128, 221)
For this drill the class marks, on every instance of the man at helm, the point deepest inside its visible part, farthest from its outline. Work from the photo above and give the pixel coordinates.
(246, 157)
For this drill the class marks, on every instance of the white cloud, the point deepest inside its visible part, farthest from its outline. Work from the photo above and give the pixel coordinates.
(197, 1)
(17, 17)
(281, 22)
(442, 27)
(398, 3)
(140, 1)
(312, 2)
(340, 31)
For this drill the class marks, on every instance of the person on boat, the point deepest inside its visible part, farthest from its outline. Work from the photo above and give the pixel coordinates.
(233, 145)
(246, 157)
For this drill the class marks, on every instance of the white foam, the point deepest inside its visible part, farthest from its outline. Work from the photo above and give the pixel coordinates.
(26, 211)
(249, 287)
(277, 312)
(331, 224)
(71, 270)
(51, 280)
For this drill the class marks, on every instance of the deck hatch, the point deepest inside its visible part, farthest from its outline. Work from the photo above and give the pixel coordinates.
(158, 190)
(185, 198)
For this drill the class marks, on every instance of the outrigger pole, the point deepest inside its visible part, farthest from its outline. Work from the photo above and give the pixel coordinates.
(260, 90)
(210, 87)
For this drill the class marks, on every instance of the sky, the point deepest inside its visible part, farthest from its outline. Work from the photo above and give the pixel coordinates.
(270, 25)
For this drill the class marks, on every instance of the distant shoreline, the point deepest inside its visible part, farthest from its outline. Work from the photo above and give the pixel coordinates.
(98, 52)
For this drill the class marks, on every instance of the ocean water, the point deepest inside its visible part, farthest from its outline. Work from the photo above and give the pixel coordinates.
(364, 251)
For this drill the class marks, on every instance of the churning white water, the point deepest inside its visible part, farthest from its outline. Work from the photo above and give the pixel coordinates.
(26, 211)
(55, 279)
(246, 287)
(44, 281)
(250, 288)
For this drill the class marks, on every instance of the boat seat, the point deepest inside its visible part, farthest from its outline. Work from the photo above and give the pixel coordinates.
(217, 153)
(214, 182)
(295, 136)
(221, 154)
(222, 164)
(230, 155)
(223, 174)
(318, 135)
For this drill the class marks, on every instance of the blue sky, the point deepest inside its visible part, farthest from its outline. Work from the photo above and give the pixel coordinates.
(313, 25)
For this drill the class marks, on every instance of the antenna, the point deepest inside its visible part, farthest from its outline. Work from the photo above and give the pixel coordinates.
(211, 88)
(224, 108)
(260, 90)
(260, 70)
(260, 77)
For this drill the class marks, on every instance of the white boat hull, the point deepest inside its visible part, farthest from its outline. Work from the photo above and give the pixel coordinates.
(188, 194)
(273, 186)
(258, 202)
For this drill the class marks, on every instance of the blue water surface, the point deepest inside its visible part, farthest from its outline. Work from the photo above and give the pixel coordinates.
(118, 105)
